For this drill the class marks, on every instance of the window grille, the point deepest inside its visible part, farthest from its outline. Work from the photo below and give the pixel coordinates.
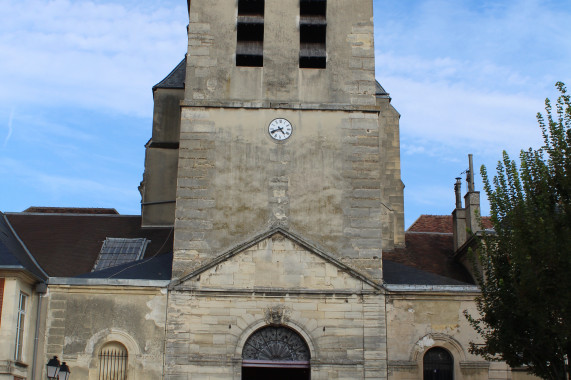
(250, 33)
(438, 364)
(20, 326)
(113, 360)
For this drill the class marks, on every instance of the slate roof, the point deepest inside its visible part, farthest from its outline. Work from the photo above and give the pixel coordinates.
(13, 256)
(400, 274)
(67, 245)
(72, 210)
(429, 247)
(152, 268)
(427, 252)
(176, 77)
(380, 91)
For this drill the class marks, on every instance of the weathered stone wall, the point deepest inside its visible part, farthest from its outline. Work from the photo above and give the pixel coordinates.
(234, 182)
(212, 75)
(420, 321)
(166, 114)
(392, 186)
(82, 319)
(158, 188)
(211, 314)
(205, 339)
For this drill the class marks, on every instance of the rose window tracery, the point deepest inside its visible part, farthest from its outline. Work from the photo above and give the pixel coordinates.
(275, 343)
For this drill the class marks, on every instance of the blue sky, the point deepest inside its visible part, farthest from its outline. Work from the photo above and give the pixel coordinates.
(76, 101)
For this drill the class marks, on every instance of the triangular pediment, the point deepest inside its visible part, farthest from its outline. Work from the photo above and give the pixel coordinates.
(276, 260)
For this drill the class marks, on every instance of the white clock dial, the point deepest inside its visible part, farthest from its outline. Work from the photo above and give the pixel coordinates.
(280, 129)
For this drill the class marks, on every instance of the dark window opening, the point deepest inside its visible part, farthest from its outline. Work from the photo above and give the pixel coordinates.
(312, 34)
(251, 7)
(249, 60)
(438, 364)
(312, 62)
(250, 33)
(312, 7)
(275, 373)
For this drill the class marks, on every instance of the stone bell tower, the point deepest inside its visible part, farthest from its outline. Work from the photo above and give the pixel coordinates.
(310, 62)
(288, 187)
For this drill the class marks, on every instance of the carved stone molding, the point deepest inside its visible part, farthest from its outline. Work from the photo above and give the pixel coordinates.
(402, 365)
(474, 364)
(277, 315)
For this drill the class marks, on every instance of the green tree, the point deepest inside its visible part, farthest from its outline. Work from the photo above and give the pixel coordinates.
(525, 303)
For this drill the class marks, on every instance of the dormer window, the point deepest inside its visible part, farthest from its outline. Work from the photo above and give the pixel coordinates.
(250, 33)
(312, 33)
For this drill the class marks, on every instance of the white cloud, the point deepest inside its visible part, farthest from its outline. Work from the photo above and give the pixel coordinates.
(88, 54)
(467, 74)
(467, 77)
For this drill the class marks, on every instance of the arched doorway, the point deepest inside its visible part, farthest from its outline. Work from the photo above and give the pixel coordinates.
(277, 353)
(438, 364)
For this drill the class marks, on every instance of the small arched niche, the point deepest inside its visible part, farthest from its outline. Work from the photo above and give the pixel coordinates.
(113, 361)
(275, 352)
(438, 364)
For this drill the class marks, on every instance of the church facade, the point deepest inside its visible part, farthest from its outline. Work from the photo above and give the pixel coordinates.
(271, 242)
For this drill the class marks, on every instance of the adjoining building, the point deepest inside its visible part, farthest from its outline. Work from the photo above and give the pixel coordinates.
(271, 242)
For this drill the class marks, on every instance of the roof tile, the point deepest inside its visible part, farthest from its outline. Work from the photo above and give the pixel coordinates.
(440, 223)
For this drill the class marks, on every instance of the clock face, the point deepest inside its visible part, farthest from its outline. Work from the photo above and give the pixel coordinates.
(280, 129)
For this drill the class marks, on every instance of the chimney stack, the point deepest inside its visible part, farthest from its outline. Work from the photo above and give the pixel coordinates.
(458, 191)
(466, 221)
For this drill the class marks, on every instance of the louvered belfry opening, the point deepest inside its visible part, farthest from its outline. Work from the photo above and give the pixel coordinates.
(312, 33)
(113, 360)
(250, 33)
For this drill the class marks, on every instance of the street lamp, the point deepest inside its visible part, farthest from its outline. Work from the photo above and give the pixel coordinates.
(53, 368)
(57, 371)
(64, 372)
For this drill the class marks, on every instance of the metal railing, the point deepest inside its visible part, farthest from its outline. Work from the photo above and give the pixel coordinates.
(113, 365)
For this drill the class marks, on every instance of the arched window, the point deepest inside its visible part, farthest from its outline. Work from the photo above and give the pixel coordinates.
(275, 352)
(438, 364)
(113, 359)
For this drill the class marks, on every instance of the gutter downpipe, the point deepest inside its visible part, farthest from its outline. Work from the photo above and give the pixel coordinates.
(41, 289)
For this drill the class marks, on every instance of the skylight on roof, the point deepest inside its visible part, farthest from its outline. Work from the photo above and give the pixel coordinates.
(117, 251)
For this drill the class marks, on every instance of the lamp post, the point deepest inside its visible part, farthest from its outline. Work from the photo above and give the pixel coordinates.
(57, 371)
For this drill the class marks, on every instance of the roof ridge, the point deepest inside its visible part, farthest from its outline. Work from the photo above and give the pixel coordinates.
(429, 233)
(70, 214)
